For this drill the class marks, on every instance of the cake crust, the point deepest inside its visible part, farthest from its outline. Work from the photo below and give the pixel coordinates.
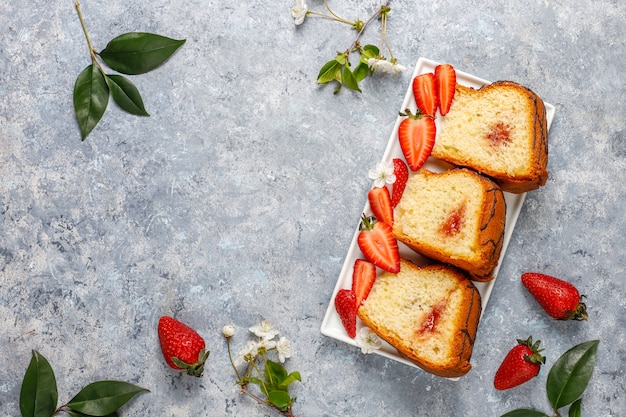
(480, 248)
(518, 161)
(460, 318)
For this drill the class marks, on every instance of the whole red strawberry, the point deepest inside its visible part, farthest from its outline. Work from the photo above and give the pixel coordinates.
(345, 304)
(560, 299)
(401, 171)
(183, 348)
(520, 365)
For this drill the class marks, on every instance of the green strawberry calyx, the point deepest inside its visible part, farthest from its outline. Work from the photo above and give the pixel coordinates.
(536, 357)
(367, 222)
(579, 313)
(415, 116)
(194, 369)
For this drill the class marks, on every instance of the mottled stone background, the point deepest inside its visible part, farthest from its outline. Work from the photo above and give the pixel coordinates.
(237, 199)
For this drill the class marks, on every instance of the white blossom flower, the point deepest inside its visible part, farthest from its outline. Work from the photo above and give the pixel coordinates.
(247, 352)
(382, 174)
(367, 340)
(283, 348)
(397, 68)
(264, 330)
(228, 331)
(298, 12)
(266, 344)
(384, 66)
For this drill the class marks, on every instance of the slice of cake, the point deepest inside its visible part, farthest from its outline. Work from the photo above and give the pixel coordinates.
(430, 314)
(456, 217)
(499, 130)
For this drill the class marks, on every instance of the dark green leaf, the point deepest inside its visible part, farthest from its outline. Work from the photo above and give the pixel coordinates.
(77, 414)
(103, 398)
(280, 399)
(91, 97)
(38, 396)
(576, 409)
(524, 412)
(138, 52)
(570, 374)
(329, 72)
(349, 80)
(126, 94)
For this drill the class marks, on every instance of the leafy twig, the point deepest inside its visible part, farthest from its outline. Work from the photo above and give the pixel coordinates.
(271, 377)
(130, 53)
(371, 58)
(39, 395)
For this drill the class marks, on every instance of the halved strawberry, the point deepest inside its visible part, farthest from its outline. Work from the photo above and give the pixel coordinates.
(445, 80)
(425, 93)
(378, 244)
(363, 278)
(417, 135)
(345, 304)
(380, 203)
(401, 172)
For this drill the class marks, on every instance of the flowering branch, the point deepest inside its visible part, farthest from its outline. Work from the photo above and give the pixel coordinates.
(371, 59)
(270, 376)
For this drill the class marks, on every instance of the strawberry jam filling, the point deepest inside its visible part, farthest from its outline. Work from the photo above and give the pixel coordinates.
(454, 222)
(432, 319)
(499, 134)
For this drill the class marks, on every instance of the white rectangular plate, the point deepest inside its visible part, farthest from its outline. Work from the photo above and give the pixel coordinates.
(332, 326)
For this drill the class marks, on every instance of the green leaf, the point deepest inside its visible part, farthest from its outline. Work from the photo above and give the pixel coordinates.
(576, 409)
(349, 80)
(254, 380)
(139, 52)
(329, 72)
(369, 51)
(275, 373)
(341, 58)
(38, 395)
(126, 94)
(280, 399)
(361, 71)
(292, 377)
(103, 398)
(524, 412)
(91, 97)
(570, 374)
